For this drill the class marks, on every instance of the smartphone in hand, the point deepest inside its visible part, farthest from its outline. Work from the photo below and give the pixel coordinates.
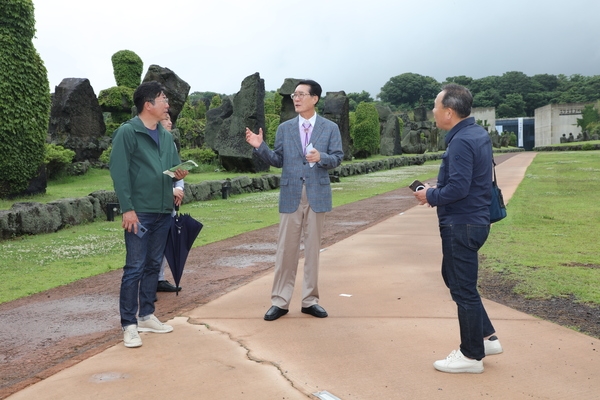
(141, 230)
(416, 185)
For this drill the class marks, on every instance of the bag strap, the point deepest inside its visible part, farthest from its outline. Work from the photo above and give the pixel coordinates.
(494, 169)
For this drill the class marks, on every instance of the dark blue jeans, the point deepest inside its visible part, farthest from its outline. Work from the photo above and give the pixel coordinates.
(460, 244)
(142, 264)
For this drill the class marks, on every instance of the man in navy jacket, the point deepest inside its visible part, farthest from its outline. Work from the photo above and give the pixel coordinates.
(462, 197)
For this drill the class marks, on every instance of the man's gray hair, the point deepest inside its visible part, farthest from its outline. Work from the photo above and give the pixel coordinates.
(458, 98)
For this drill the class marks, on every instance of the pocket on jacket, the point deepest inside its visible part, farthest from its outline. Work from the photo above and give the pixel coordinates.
(284, 182)
(324, 181)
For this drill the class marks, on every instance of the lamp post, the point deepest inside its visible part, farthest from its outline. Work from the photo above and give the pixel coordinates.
(226, 188)
(111, 210)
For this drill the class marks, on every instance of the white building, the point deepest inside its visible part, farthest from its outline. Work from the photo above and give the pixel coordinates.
(554, 120)
(487, 116)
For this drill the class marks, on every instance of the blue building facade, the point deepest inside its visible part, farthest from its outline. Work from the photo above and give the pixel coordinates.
(524, 128)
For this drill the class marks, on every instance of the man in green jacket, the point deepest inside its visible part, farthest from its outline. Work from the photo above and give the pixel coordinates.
(141, 150)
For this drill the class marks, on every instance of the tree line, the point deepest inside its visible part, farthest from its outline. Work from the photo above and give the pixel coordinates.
(513, 94)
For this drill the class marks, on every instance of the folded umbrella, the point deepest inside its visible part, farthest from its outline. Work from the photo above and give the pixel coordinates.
(184, 230)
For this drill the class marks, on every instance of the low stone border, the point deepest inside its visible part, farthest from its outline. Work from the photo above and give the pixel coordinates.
(30, 218)
(579, 146)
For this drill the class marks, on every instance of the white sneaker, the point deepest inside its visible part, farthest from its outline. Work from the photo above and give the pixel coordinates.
(131, 337)
(152, 324)
(456, 363)
(492, 346)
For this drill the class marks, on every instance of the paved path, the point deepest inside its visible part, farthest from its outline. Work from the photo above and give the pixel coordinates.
(390, 318)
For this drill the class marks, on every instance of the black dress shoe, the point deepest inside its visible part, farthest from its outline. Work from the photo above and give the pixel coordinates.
(315, 310)
(166, 286)
(274, 313)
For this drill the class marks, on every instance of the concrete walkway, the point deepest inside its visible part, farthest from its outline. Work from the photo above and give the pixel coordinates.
(390, 318)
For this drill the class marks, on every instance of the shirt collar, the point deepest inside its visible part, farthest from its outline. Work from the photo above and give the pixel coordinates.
(312, 120)
(454, 130)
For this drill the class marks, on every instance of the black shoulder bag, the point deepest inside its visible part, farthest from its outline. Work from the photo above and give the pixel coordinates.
(497, 208)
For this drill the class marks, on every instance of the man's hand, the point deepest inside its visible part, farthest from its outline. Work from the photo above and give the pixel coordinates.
(180, 174)
(130, 221)
(421, 195)
(253, 139)
(177, 196)
(313, 156)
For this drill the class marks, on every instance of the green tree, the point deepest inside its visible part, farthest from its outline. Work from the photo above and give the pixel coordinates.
(272, 122)
(406, 91)
(484, 84)
(127, 68)
(513, 107)
(215, 102)
(573, 89)
(351, 122)
(460, 80)
(24, 99)
(273, 103)
(486, 98)
(365, 130)
(354, 99)
(589, 116)
(514, 82)
(191, 132)
(204, 97)
(485, 92)
(547, 82)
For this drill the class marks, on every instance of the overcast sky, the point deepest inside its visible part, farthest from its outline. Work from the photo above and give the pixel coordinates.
(344, 45)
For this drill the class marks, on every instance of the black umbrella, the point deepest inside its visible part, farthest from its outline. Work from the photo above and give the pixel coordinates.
(184, 230)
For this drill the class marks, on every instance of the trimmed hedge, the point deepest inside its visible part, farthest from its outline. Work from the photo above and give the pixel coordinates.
(127, 68)
(24, 99)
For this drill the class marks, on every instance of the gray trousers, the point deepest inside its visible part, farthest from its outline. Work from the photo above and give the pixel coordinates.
(304, 224)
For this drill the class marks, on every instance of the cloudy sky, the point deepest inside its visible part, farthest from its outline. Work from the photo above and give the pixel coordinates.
(344, 45)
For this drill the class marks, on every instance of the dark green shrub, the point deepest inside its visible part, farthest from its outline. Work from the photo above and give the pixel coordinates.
(57, 159)
(127, 68)
(118, 101)
(191, 132)
(366, 130)
(200, 156)
(215, 102)
(273, 103)
(24, 99)
(105, 156)
(200, 109)
(272, 121)
(587, 146)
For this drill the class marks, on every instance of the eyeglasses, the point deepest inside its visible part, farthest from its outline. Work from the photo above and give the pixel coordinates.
(163, 100)
(299, 95)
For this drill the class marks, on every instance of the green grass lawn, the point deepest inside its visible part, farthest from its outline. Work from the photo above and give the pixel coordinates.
(549, 241)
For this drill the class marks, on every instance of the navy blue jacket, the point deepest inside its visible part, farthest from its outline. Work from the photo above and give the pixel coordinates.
(463, 192)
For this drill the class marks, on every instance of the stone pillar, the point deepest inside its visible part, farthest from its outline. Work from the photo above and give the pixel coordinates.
(336, 109)
(226, 126)
(76, 120)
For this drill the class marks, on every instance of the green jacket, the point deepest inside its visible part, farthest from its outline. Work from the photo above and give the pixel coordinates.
(137, 165)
